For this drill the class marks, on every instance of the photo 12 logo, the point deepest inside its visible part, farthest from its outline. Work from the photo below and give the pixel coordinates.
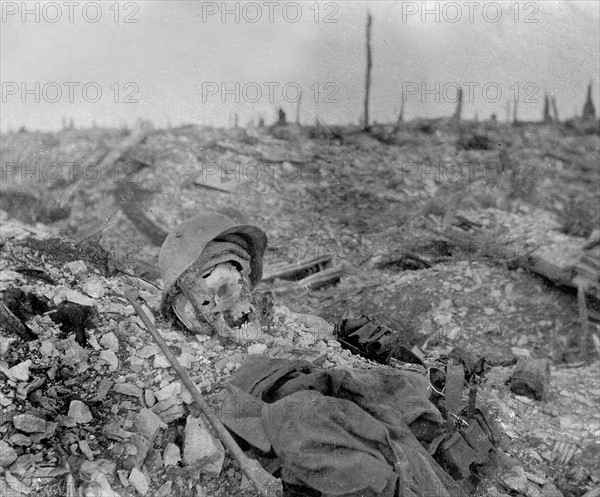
(268, 91)
(253, 12)
(69, 91)
(454, 12)
(70, 11)
(469, 91)
(260, 177)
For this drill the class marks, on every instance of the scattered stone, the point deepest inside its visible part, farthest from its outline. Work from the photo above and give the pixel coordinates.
(47, 348)
(148, 351)
(165, 489)
(20, 440)
(8, 455)
(186, 360)
(84, 447)
(515, 479)
(94, 288)
(20, 372)
(149, 397)
(257, 348)
(137, 448)
(171, 455)
(147, 424)
(160, 361)
(110, 358)
(67, 295)
(200, 448)
(139, 481)
(29, 423)
(100, 487)
(76, 267)
(103, 389)
(170, 410)
(110, 341)
(153, 461)
(168, 391)
(79, 413)
(531, 377)
(128, 389)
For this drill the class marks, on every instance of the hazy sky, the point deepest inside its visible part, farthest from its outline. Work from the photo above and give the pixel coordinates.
(173, 63)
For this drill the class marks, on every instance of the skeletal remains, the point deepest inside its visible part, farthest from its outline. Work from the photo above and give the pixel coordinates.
(210, 265)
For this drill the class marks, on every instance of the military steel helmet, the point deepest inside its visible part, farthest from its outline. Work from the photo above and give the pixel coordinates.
(185, 244)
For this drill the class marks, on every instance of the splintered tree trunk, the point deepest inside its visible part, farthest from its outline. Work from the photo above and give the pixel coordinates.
(400, 119)
(458, 111)
(298, 109)
(368, 76)
(589, 111)
(554, 108)
(547, 117)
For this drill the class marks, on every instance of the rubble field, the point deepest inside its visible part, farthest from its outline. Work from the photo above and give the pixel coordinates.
(472, 235)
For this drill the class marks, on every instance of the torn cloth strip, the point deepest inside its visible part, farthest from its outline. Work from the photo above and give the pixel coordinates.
(342, 432)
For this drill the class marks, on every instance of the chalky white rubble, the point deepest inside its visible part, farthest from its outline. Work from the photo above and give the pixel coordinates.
(209, 266)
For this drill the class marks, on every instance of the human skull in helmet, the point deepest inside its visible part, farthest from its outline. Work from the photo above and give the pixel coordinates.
(209, 266)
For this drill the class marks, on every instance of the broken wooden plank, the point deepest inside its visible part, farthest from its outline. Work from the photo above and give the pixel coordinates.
(314, 281)
(9, 323)
(290, 271)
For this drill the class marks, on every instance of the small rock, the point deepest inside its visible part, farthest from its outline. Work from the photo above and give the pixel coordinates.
(147, 351)
(5, 343)
(257, 348)
(170, 410)
(110, 358)
(8, 455)
(29, 423)
(200, 448)
(169, 391)
(47, 348)
(520, 352)
(20, 440)
(128, 389)
(148, 424)
(100, 487)
(20, 372)
(153, 461)
(110, 341)
(550, 490)
(79, 413)
(73, 296)
(76, 267)
(160, 361)
(186, 360)
(139, 481)
(84, 447)
(515, 479)
(171, 455)
(94, 288)
(165, 489)
(149, 397)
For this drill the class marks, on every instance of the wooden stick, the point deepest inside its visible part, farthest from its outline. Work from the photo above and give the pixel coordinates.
(9, 323)
(265, 483)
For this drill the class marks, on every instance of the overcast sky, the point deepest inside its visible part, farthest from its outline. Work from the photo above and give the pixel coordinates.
(173, 63)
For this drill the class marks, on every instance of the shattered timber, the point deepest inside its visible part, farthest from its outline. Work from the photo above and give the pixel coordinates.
(429, 302)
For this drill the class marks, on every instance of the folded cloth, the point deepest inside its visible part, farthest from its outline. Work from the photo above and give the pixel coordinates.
(340, 432)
